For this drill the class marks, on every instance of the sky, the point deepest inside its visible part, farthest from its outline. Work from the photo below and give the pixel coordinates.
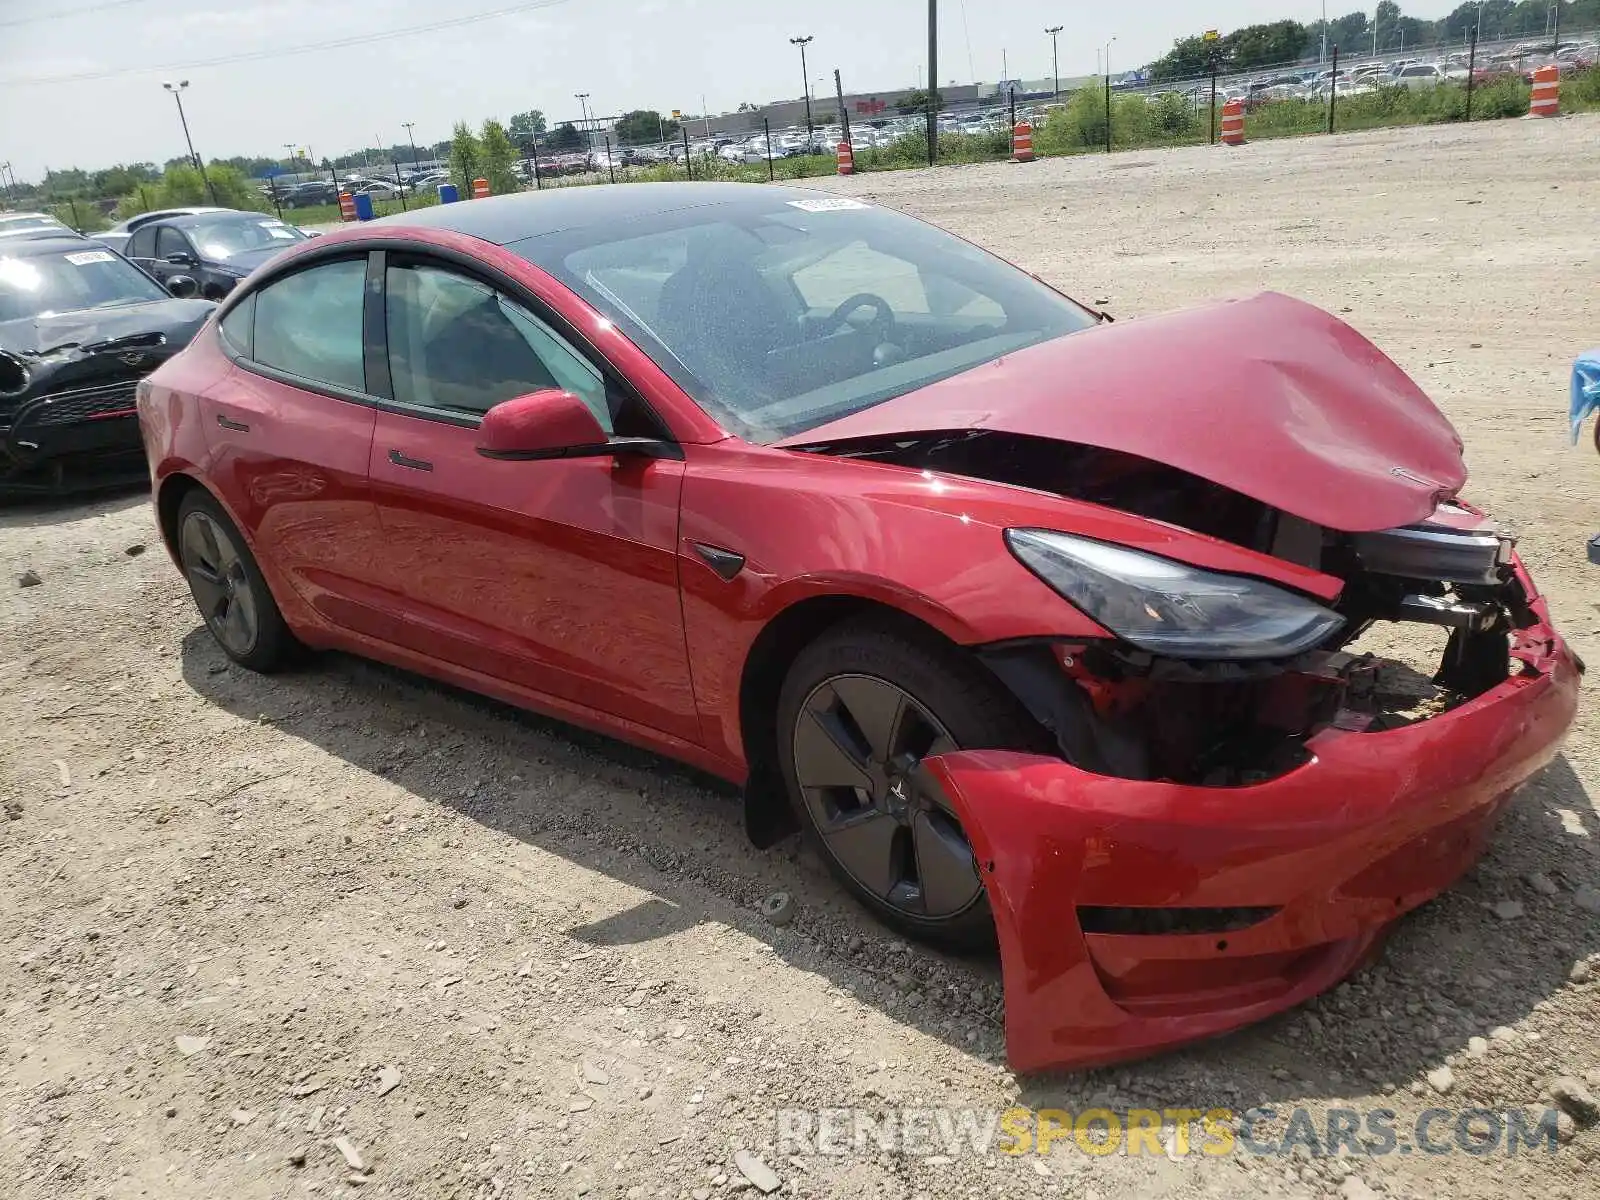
(626, 55)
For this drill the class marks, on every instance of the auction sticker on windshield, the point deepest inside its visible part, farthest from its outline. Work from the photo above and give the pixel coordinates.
(84, 257)
(835, 205)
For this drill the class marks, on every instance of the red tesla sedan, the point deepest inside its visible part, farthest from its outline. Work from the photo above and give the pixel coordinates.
(1039, 626)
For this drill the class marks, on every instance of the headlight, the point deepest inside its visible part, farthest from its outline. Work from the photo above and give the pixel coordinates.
(1170, 608)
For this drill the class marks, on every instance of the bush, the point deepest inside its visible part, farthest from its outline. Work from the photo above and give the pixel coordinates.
(1078, 125)
(1172, 117)
(1507, 96)
(1582, 91)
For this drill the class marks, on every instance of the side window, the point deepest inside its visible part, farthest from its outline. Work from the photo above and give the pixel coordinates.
(457, 344)
(142, 244)
(170, 241)
(238, 326)
(309, 324)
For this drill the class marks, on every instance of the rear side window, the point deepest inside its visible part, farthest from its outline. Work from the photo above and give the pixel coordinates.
(309, 324)
(237, 326)
(142, 244)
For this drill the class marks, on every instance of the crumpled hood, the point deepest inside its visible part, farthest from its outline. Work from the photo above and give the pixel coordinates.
(1270, 397)
(176, 318)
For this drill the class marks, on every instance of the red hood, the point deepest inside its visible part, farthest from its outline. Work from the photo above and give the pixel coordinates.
(1269, 396)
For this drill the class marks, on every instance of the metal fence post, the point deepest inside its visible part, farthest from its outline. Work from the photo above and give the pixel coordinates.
(1472, 62)
(400, 187)
(538, 180)
(1013, 92)
(1108, 107)
(611, 169)
(272, 190)
(1213, 141)
(687, 165)
(1333, 88)
(766, 128)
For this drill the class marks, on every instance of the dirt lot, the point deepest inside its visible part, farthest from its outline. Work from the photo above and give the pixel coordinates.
(235, 910)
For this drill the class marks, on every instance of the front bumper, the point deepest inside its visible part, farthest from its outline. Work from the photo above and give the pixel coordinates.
(1323, 859)
(84, 438)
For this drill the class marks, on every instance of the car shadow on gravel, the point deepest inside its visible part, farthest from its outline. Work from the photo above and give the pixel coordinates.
(1451, 971)
(19, 512)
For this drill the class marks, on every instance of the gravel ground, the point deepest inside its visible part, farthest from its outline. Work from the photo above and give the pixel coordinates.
(244, 918)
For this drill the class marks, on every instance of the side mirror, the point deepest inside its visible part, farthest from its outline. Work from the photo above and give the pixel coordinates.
(180, 258)
(556, 424)
(183, 287)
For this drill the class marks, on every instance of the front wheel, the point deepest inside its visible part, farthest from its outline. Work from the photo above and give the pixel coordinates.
(862, 707)
(228, 587)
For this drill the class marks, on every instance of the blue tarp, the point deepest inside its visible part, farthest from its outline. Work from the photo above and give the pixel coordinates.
(1585, 390)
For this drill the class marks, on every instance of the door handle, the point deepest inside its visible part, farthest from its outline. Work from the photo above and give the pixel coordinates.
(236, 426)
(416, 464)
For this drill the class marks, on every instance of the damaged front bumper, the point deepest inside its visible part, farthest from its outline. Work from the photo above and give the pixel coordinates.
(1135, 915)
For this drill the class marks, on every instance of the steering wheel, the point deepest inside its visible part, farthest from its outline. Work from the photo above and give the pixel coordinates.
(882, 322)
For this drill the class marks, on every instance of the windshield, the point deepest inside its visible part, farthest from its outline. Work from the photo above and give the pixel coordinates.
(42, 284)
(226, 236)
(779, 316)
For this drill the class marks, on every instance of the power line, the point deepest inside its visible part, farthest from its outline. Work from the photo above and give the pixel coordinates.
(71, 12)
(286, 51)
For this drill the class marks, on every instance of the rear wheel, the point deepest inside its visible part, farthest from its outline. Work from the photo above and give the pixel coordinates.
(228, 587)
(860, 710)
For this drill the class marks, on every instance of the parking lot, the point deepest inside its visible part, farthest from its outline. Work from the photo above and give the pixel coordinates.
(244, 917)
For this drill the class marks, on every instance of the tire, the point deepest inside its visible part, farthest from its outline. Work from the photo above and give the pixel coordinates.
(228, 588)
(848, 779)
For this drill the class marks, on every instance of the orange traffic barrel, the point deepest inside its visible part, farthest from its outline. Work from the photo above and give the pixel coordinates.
(847, 159)
(1546, 100)
(1233, 123)
(1022, 143)
(347, 207)
(480, 188)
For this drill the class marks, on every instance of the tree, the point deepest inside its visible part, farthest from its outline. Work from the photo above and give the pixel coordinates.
(565, 137)
(182, 186)
(917, 102)
(526, 124)
(499, 156)
(465, 156)
(645, 126)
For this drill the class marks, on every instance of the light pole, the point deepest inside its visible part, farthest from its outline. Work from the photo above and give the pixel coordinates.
(803, 42)
(583, 106)
(177, 89)
(1323, 57)
(1055, 61)
(1108, 95)
(413, 141)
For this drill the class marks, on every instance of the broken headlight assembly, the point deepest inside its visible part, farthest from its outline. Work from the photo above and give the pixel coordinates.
(1170, 608)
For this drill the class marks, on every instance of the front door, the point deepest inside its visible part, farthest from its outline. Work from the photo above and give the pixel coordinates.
(558, 576)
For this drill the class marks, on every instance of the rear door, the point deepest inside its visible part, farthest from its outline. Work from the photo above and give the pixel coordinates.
(290, 430)
(558, 576)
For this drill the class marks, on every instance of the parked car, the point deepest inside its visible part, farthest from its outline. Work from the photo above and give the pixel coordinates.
(79, 327)
(215, 249)
(1035, 649)
(117, 236)
(32, 225)
(1419, 76)
(310, 194)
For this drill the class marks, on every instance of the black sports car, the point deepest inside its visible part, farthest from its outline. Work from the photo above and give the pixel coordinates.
(216, 249)
(80, 326)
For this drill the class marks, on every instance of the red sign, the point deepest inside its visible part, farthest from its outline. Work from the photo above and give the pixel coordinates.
(870, 108)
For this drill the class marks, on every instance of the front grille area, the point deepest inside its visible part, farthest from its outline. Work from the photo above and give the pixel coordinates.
(79, 404)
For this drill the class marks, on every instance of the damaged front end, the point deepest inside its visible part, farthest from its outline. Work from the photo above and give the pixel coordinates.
(1251, 782)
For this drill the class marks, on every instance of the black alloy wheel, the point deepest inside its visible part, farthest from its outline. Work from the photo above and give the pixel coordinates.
(857, 746)
(228, 587)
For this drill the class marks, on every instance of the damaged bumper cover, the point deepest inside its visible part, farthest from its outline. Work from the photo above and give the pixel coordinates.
(1138, 915)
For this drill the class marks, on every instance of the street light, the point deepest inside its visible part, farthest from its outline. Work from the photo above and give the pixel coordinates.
(803, 42)
(1055, 61)
(1107, 61)
(583, 106)
(177, 89)
(408, 127)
